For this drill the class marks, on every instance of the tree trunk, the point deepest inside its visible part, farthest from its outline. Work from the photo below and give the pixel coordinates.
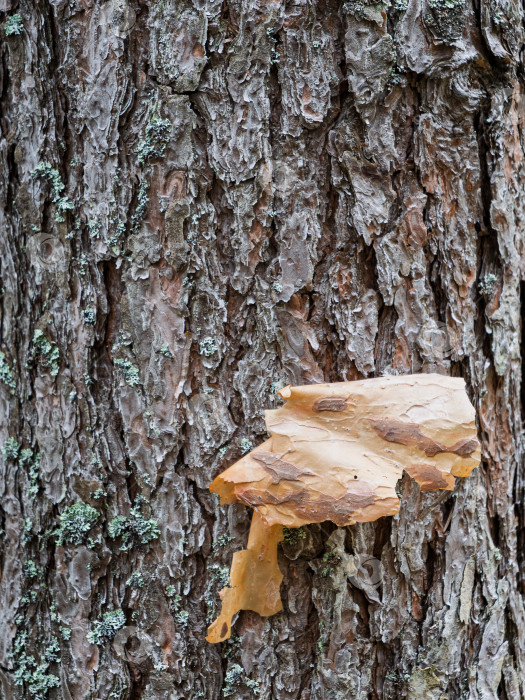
(203, 202)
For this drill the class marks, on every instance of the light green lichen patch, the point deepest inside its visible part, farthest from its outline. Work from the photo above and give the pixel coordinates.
(106, 627)
(219, 579)
(142, 206)
(13, 26)
(52, 650)
(31, 462)
(94, 227)
(10, 448)
(153, 145)
(136, 580)
(207, 347)
(220, 575)
(28, 531)
(48, 353)
(30, 569)
(31, 673)
(75, 523)
(182, 618)
(221, 542)
(134, 528)
(448, 4)
(62, 204)
(164, 350)
(253, 685)
(129, 371)
(246, 446)
(88, 315)
(234, 678)
(370, 10)
(174, 599)
(6, 373)
(488, 284)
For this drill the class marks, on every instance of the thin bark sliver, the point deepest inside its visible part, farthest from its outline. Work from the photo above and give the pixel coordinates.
(335, 453)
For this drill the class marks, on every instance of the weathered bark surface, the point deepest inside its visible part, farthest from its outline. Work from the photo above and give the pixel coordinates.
(255, 194)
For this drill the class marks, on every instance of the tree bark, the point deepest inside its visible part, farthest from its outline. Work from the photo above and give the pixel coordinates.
(203, 202)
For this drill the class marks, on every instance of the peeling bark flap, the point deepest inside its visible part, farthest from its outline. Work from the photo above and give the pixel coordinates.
(335, 453)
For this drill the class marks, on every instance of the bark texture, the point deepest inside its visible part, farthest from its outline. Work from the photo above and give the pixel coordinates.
(205, 201)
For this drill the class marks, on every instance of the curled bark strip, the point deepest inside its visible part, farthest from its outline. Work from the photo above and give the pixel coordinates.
(344, 468)
(255, 579)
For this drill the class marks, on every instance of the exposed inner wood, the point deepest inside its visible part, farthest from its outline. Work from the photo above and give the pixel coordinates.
(336, 453)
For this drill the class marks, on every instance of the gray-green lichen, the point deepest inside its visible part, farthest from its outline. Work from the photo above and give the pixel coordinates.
(365, 9)
(45, 170)
(30, 461)
(153, 145)
(235, 676)
(6, 373)
(446, 18)
(488, 284)
(129, 371)
(88, 315)
(30, 672)
(13, 25)
(30, 569)
(75, 523)
(106, 627)
(246, 445)
(165, 350)
(134, 528)
(142, 205)
(136, 580)
(182, 618)
(49, 354)
(207, 347)
(10, 449)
